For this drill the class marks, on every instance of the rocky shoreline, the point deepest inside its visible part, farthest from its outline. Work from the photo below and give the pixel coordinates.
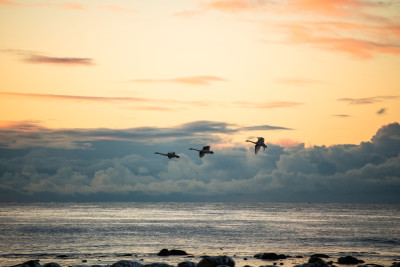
(268, 259)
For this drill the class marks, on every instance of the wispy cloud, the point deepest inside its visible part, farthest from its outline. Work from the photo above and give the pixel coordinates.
(341, 115)
(74, 97)
(153, 104)
(31, 133)
(267, 105)
(39, 59)
(360, 40)
(366, 100)
(358, 28)
(193, 80)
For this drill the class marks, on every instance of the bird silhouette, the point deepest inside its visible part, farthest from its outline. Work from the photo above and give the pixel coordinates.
(260, 143)
(170, 155)
(202, 152)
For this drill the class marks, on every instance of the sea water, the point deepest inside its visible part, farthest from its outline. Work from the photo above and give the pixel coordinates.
(103, 233)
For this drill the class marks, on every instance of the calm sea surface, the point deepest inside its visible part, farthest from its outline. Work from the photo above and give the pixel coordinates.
(103, 233)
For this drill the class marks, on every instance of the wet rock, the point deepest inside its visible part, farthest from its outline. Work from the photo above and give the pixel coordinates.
(177, 252)
(313, 259)
(319, 255)
(163, 252)
(315, 262)
(172, 252)
(125, 263)
(31, 263)
(187, 264)
(270, 256)
(52, 264)
(349, 260)
(215, 261)
(158, 264)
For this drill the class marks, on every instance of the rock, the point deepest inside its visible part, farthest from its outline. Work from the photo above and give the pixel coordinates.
(349, 260)
(125, 263)
(177, 252)
(163, 252)
(187, 264)
(315, 262)
(172, 252)
(157, 264)
(270, 256)
(313, 259)
(31, 263)
(52, 264)
(215, 261)
(395, 264)
(319, 255)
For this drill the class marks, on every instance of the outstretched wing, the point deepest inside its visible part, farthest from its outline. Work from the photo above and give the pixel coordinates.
(201, 154)
(257, 148)
(260, 140)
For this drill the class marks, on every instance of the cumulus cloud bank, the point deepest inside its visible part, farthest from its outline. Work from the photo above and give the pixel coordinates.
(128, 170)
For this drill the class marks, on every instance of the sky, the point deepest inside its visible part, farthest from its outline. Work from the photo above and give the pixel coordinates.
(89, 90)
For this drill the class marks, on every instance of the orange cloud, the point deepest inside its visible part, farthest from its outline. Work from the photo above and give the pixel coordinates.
(8, 3)
(360, 40)
(285, 142)
(229, 5)
(69, 5)
(332, 8)
(194, 80)
(356, 27)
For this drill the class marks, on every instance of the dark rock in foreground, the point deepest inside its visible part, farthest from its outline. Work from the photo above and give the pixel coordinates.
(315, 262)
(215, 261)
(187, 264)
(52, 264)
(125, 263)
(31, 263)
(270, 256)
(349, 260)
(157, 264)
(172, 252)
(319, 255)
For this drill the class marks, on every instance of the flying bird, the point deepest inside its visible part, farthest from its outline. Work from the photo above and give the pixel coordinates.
(205, 150)
(260, 143)
(170, 155)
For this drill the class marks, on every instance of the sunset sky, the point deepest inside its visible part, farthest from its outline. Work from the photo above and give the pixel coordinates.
(298, 72)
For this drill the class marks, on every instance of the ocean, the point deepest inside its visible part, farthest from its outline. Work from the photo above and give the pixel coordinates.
(74, 234)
